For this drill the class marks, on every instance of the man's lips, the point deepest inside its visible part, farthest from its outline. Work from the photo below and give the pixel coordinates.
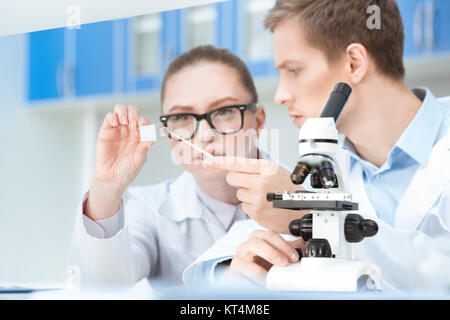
(298, 119)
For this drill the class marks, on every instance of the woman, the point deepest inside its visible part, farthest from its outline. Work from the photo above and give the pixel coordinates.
(207, 97)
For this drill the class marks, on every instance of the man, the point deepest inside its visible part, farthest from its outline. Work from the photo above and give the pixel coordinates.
(397, 138)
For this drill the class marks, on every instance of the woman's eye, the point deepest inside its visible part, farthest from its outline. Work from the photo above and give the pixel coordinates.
(180, 118)
(294, 71)
(224, 112)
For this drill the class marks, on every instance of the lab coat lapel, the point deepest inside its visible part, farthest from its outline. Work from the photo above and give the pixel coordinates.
(182, 201)
(358, 190)
(425, 187)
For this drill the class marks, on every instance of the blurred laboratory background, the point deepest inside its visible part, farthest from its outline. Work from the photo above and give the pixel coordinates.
(56, 86)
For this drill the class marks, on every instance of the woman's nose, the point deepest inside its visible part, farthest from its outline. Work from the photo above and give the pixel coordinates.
(205, 133)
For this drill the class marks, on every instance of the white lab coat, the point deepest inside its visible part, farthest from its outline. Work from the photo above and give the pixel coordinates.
(166, 227)
(413, 255)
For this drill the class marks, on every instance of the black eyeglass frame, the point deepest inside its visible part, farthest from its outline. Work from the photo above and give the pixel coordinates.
(207, 116)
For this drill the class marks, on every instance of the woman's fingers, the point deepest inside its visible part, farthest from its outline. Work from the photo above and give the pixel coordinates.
(110, 120)
(133, 117)
(143, 121)
(121, 113)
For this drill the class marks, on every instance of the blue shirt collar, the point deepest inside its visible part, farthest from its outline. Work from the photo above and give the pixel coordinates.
(420, 136)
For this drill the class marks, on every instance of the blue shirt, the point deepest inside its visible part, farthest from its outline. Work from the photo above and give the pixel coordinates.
(385, 186)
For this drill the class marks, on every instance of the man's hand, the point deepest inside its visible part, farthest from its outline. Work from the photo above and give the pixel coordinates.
(254, 178)
(261, 251)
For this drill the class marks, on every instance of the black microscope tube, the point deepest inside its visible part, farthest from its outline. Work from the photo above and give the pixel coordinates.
(336, 102)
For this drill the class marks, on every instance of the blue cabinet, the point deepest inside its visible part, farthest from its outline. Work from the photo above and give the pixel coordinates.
(66, 62)
(94, 59)
(427, 26)
(412, 15)
(254, 43)
(151, 42)
(131, 55)
(440, 24)
(45, 64)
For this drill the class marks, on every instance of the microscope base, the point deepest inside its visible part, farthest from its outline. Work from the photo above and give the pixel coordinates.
(325, 274)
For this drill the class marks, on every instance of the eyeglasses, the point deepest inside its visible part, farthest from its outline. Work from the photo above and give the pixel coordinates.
(224, 120)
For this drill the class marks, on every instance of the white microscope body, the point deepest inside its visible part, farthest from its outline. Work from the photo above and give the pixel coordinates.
(331, 227)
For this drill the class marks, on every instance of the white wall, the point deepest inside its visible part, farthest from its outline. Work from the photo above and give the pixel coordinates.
(39, 177)
(20, 16)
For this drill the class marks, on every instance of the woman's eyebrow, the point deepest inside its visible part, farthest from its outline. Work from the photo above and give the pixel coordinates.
(213, 104)
(222, 100)
(178, 107)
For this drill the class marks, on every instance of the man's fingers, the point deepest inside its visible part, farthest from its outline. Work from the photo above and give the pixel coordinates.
(257, 247)
(298, 244)
(236, 164)
(278, 242)
(249, 269)
(248, 196)
(243, 180)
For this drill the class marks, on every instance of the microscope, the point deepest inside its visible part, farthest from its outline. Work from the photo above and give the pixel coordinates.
(332, 225)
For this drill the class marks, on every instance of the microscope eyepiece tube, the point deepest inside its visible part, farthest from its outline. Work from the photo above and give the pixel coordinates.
(336, 102)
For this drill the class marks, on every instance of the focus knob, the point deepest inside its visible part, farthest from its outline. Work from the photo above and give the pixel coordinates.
(357, 228)
(302, 227)
(318, 248)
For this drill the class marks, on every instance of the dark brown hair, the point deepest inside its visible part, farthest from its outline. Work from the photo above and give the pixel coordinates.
(209, 53)
(332, 25)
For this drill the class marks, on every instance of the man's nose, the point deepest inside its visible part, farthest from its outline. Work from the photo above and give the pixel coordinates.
(282, 95)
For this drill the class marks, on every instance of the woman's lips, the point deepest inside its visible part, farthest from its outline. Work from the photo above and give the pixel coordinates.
(200, 157)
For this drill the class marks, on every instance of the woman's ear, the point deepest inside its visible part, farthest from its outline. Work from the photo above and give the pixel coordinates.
(260, 118)
(357, 62)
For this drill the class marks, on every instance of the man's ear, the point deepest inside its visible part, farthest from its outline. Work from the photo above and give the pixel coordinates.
(357, 60)
(260, 118)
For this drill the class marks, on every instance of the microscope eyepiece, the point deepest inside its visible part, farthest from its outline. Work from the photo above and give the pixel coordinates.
(300, 173)
(327, 176)
(336, 102)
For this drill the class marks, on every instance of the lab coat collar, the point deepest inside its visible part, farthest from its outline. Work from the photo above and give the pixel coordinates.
(182, 202)
(419, 137)
(426, 187)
